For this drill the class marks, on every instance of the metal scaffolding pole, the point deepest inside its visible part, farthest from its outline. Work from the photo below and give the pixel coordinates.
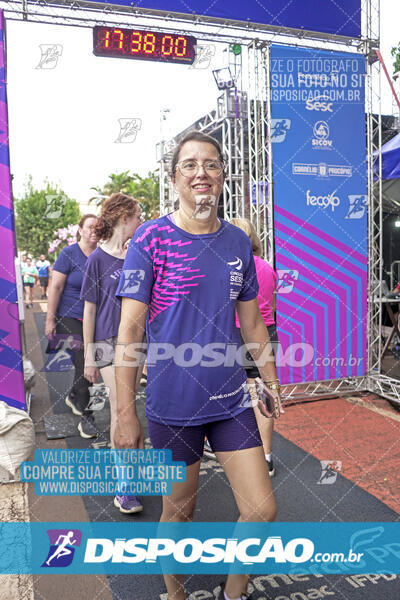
(259, 150)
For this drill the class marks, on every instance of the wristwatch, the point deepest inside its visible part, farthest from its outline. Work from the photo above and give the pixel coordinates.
(272, 385)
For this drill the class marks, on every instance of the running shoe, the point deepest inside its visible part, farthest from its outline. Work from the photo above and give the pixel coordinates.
(86, 427)
(242, 597)
(207, 450)
(271, 468)
(71, 402)
(143, 380)
(128, 504)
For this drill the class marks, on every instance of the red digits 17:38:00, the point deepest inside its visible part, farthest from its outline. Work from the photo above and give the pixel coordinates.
(144, 45)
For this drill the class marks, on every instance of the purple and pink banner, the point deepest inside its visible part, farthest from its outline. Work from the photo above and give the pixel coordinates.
(320, 212)
(11, 373)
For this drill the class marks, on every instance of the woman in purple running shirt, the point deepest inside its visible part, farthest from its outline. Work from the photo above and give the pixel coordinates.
(120, 217)
(65, 314)
(186, 273)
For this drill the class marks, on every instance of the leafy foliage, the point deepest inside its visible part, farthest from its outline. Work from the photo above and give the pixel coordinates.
(144, 189)
(39, 214)
(396, 64)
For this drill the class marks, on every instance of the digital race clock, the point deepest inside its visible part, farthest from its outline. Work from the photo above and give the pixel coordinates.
(144, 45)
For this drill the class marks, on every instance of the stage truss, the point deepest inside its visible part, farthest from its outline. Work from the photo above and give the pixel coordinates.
(246, 108)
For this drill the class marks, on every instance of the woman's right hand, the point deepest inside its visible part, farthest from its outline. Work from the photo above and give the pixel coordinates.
(128, 432)
(91, 374)
(50, 328)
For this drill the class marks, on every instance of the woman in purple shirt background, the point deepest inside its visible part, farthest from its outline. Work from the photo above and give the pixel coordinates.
(267, 281)
(65, 314)
(118, 221)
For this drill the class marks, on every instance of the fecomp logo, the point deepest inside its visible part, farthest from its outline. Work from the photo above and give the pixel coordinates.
(324, 202)
(62, 547)
(321, 136)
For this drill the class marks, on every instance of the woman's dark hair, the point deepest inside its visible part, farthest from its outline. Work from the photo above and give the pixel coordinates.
(82, 222)
(113, 208)
(193, 136)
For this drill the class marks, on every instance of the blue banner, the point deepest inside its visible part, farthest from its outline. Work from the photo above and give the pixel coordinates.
(151, 548)
(89, 472)
(318, 139)
(341, 17)
(11, 374)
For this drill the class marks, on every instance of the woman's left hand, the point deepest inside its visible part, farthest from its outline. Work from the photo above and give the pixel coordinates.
(91, 374)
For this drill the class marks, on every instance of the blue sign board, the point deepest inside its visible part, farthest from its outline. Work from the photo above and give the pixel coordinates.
(320, 212)
(341, 17)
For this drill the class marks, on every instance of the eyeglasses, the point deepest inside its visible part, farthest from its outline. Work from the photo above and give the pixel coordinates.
(189, 168)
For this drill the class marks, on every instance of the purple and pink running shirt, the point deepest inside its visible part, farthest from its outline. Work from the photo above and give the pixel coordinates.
(191, 284)
(267, 280)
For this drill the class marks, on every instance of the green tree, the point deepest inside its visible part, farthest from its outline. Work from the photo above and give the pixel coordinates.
(39, 213)
(119, 182)
(147, 191)
(144, 189)
(396, 64)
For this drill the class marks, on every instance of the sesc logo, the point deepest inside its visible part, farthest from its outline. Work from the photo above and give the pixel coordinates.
(323, 201)
(321, 136)
(319, 104)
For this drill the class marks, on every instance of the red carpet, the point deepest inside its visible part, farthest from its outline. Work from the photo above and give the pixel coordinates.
(366, 442)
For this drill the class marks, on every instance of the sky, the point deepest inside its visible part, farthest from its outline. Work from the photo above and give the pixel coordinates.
(65, 121)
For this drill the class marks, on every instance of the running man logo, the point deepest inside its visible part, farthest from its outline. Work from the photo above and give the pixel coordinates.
(59, 349)
(286, 280)
(204, 55)
(128, 129)
(132, 280)
(203, 207)
(357, 206)
(329, 471)
(279, 129)
(50, 54)
(54, 206)
(63, 543)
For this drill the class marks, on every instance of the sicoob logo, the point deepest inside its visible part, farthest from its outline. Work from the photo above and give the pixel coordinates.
(321, 135)
(62, 547)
